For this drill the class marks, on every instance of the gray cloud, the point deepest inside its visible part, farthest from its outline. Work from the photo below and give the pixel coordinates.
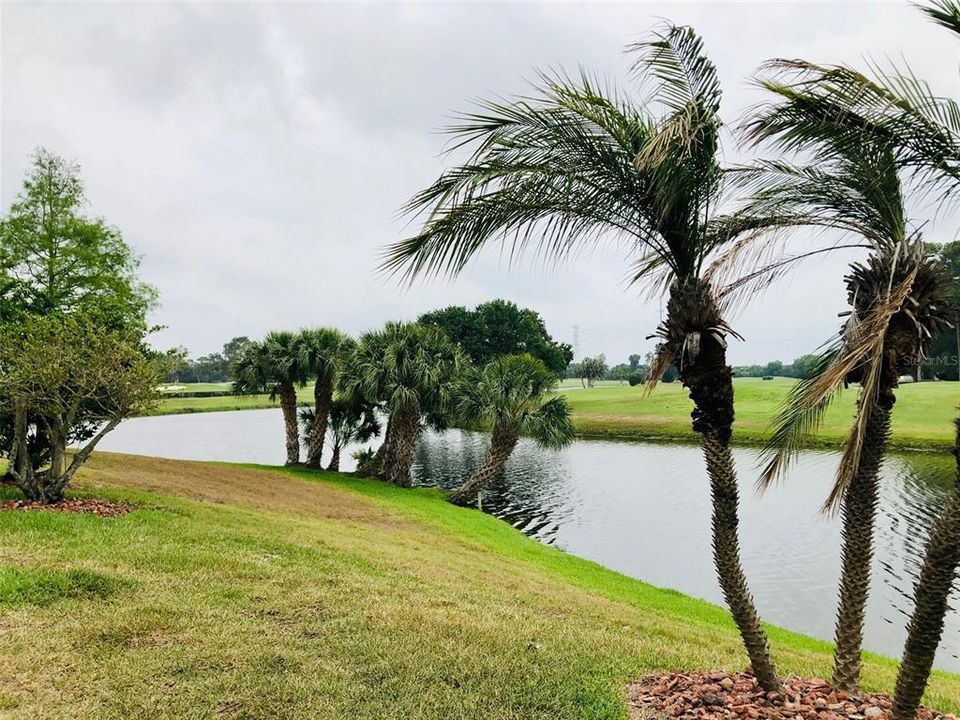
(257, 155)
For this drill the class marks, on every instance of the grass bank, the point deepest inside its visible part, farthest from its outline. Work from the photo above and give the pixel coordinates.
(240, 592)
(922, 417)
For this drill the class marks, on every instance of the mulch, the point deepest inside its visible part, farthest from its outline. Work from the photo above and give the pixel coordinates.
(722, 696)
(103, 508)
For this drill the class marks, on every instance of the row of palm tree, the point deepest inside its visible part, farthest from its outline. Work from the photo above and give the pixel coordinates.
(284, 361)
(414, 376)
(578, 161)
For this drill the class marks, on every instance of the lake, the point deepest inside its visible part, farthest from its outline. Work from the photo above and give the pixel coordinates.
(644, 509)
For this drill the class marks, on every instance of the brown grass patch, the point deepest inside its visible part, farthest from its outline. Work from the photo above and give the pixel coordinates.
(249, 487)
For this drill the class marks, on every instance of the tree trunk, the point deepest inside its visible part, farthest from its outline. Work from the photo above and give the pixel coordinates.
(859, 514)
(933, 589)
(20, 465)
(335, 460)
(405, 432)
(502, 444)
(288, 404)
(323, 397)
(710, 384)
(54, 483)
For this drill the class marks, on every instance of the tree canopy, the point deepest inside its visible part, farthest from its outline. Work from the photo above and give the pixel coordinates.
(498, 328)
(55, 259)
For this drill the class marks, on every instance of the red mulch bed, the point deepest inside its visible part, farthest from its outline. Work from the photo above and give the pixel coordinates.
(103, 508)
(721, 696)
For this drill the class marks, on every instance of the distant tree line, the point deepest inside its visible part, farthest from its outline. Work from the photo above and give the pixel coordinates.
(211, 368)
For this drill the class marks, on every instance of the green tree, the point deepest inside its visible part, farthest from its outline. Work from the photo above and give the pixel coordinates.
(53, 259)
(68, 378)
(498, 328)
(176, 362)
(408, 370)
(898, 297)
(275, 366)
(323, 352)
(513, 396)
(592, 369)
(943, 358)
(577, 161)
(233, 349)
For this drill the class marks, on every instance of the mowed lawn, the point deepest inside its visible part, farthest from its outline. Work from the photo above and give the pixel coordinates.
(922, 417)
(238, 592)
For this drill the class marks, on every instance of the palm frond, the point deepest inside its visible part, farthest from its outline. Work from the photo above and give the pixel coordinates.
(552, 171)
(945, 13)
(677, 67)
(550, 425)
(798, 418)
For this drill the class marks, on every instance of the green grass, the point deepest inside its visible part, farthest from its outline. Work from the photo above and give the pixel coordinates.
(42, 587)
(247, 592)
(168, 388)
(175, 406)
(922, 417)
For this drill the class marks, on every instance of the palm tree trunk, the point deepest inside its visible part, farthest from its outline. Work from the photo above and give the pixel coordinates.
(710, 384)
(933, 589)
(335, 460)
(859, 513)
(323, 397)
(288, 404)
(502, 444)
(403, 442)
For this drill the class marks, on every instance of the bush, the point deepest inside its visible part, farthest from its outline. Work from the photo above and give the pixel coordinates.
(366, 462)
(635, 379)
(768, 377)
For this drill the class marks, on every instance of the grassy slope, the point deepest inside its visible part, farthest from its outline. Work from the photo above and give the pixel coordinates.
(922, 417)
(255, 593)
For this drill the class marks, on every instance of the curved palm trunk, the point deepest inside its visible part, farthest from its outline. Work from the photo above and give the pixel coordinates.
(710, 384)
(323, 398)
(288, 404)
(335, 460)
(859, 513)
(933, 589)
(502, 444)
(398, 459)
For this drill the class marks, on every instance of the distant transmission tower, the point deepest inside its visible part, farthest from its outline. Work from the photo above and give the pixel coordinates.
(576, 342)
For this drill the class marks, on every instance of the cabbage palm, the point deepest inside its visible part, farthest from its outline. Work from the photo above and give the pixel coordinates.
(409, 370)
(899, 297)
(576, 163)
(350, 421)
(322, 353)
(937, 576)
(511, 395)
(273, 365)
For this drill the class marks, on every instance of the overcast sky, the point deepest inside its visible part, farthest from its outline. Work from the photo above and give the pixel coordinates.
(256, 155)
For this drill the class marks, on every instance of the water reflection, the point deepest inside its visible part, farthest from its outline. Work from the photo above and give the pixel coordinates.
(644, 509)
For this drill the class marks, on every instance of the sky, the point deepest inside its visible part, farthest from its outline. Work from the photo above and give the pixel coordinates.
(256, 156)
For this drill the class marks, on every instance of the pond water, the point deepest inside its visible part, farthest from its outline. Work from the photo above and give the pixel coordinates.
(644, 509)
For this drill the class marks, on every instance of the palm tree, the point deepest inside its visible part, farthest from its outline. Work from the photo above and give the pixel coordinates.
(273, 365)
(939, 571)
(574, 164)
(350, 421)
(322, 353)
(899, 299)
(511, 395)
(409, 370)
